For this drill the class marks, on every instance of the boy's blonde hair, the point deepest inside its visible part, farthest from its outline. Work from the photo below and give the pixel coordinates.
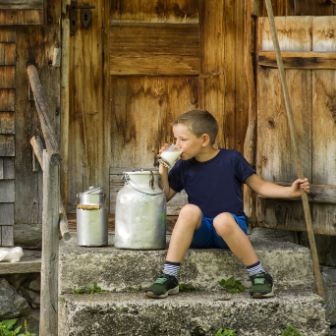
(199, 122)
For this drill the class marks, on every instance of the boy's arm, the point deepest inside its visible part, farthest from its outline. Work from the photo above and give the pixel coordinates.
(273, 190)
(169, 192)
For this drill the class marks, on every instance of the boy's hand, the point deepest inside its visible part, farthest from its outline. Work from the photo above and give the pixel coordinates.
(162, 168)
(298, 185)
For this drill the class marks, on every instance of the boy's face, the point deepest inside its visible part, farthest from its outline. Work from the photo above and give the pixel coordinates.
(188, 142)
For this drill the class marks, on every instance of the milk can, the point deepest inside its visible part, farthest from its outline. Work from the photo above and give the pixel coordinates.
(91, 218)
(140, 218)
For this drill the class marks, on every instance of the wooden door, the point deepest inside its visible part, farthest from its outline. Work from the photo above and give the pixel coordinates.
(309, 50)
(138, 66)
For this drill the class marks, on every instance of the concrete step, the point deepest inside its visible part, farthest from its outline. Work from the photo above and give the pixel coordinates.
(130, 270)
(197, 313)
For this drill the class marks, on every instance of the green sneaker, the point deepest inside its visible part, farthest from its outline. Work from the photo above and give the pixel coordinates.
(262, 285)
(163, 286)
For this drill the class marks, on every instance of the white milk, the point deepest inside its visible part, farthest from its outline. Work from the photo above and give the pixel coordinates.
(169, 157)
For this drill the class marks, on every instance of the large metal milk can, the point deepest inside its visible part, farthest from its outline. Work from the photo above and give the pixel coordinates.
(140, 218)
(92, 218)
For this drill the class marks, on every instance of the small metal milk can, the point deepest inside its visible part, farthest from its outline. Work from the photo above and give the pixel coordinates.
(140, 218)
(92, 218)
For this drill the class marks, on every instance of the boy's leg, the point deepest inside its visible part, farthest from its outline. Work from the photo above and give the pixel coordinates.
(240, 245)
(187, 223)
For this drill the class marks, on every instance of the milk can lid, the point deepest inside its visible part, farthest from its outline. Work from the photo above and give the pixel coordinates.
(93, 190)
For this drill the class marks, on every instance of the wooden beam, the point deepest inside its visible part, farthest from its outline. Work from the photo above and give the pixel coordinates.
(299, 59)
(21, 4)
(37, 146)
(49, 269)
(30, 263)
(42, 110)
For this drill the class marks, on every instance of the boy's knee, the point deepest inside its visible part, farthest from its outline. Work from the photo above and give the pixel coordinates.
(191, 212)
(224, 224)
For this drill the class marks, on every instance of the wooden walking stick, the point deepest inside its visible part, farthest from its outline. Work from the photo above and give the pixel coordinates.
(297, 163)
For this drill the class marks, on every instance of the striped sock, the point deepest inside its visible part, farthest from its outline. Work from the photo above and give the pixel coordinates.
(255, 268)
(172, 268)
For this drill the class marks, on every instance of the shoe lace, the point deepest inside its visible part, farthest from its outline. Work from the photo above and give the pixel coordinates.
(161, 279)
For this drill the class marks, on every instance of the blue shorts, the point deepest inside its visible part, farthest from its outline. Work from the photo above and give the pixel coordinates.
(206, 237)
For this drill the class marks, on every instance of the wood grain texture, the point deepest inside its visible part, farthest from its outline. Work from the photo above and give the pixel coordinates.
(7, 194)
(7, 53)
(7, 237)
(21, 4)
(143, 109)
(13, 17)
(313, 104)
(6, 214)
(172, 11)
(7, 100)
(154, 49)
(7, 123)
(87, 139)
(7, 77)
(7, 145)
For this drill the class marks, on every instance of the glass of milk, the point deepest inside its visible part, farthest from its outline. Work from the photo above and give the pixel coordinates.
(169, 156)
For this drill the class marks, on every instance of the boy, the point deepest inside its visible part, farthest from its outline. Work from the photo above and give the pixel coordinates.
(213, 217)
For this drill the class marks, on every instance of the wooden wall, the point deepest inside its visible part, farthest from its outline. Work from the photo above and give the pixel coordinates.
(29, 31)
(309, 59)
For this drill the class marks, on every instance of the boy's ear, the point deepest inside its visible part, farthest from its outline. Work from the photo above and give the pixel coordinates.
(205, 139)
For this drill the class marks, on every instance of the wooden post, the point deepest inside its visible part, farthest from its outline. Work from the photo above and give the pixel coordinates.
(42, 110)
(249, 142)
(297, 163)
(49, 267)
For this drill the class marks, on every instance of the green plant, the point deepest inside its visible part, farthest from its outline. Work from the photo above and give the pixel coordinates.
(91, 288)
(7, 328)
(225, 332)
(231, 285)
(291, 331)
(187, 288)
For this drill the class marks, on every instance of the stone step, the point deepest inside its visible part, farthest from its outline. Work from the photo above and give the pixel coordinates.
(130, 270)
(197, 313)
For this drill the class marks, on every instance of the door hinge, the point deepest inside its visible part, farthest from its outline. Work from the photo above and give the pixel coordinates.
(84, 13)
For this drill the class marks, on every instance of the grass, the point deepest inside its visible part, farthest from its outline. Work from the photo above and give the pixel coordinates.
(225, 332)
(231, 285)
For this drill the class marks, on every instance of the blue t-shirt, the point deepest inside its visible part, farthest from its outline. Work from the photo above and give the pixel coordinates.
(214, 185)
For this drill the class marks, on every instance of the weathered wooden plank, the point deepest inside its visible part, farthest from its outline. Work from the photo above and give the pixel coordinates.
(7, 77)
(299, 60)
(7, 35)
(212, 79)
(7, 53)
(86, 138)
(7, 191)
(140, 128)
(50, 233)
(7, 145)
(8, 168)
(7, 100)
(1, 169)
(30, 263)
(183, 11)
(275, 154)
(294, 33)
(154, 49)
(284, 216)
(21, 17)
(21, 4)
(7, 123)
(324, 116)
(6, 213)
(7, 236)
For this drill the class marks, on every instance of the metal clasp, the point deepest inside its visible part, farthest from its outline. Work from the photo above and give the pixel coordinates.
(85, 16)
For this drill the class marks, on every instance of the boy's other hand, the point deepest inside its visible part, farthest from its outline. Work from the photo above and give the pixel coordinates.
(298, 185)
